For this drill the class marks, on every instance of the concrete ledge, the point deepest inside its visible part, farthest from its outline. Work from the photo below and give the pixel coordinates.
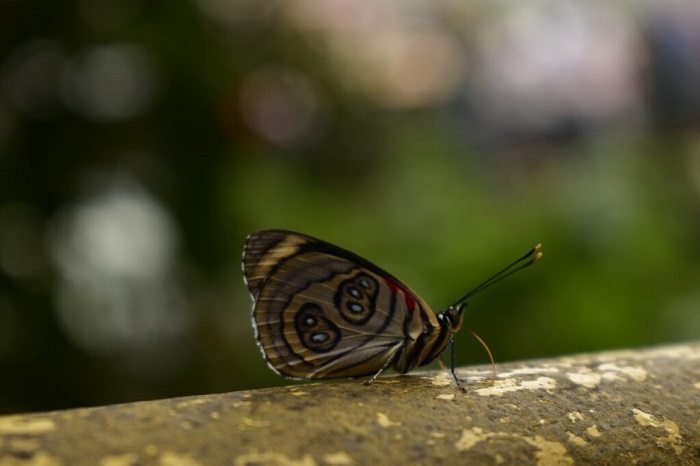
(638, 406)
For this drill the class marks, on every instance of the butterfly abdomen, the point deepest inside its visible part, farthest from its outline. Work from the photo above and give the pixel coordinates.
(429, 344)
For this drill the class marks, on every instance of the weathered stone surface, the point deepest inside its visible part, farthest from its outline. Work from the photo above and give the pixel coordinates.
(624, 407)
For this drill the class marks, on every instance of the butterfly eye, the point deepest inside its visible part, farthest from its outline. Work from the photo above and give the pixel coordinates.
(310, 321)
(319, 337)
(364, 283)
(355, 307)
(356, 298)
(316, 332)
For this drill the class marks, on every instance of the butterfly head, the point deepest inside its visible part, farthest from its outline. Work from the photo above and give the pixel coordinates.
(453, 316)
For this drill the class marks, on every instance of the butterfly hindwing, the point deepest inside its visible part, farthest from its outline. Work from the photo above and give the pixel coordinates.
(321, 311)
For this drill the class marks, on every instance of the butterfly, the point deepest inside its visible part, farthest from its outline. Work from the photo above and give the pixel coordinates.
(320, 311)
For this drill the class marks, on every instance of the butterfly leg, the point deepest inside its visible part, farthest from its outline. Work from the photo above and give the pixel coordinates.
(452, 364)
(384, 367)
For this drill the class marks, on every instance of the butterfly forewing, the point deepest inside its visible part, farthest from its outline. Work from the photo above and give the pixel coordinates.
(321, 311)
(263, 251)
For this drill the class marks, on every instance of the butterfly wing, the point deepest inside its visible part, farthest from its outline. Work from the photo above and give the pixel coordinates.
(321, 311)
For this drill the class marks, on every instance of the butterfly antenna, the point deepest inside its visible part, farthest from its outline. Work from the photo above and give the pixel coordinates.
(531, 257)
(488, 351)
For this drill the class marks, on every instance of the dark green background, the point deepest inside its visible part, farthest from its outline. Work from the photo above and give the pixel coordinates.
(439, 192)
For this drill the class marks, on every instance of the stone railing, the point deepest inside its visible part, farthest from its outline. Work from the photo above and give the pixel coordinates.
(623, 407)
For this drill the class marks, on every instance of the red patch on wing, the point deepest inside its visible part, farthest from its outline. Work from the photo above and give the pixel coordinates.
(395, 288)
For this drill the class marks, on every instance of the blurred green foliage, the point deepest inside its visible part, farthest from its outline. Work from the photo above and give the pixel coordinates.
(226, 141)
